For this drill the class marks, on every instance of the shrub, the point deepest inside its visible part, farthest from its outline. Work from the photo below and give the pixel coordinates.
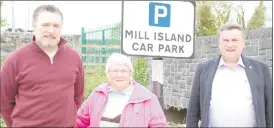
(92, 80)
(140, 71)
(2, 123)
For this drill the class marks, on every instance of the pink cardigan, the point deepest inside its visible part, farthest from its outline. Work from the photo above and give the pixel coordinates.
(143, 109)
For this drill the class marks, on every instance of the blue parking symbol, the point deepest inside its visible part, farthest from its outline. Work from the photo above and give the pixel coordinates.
(159, 14)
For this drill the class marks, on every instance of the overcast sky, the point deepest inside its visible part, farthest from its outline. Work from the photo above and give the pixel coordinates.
(89, 14)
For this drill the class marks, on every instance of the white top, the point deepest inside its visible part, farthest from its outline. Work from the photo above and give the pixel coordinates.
(231, 103)
(115, 105)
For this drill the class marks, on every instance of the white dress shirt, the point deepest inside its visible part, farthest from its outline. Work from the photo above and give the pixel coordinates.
(231, 103)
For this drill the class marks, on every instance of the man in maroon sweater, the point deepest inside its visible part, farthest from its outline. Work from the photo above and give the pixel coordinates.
(42, 83)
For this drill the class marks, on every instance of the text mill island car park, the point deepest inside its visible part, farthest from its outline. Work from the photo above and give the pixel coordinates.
(158, 36)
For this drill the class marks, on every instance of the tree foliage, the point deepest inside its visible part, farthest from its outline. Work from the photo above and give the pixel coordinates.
(258, 17)
(210, 16)
(4, 21)
(140, 71)
(205, 19)
(241, 15)
(222, 9)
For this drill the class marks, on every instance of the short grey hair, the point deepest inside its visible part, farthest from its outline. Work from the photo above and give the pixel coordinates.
(231, 26)
(48, 8)
(117, 58)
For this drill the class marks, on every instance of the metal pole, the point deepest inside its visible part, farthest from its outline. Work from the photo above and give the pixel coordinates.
(13, 19)
(83, 45)
(103, 49)
(157, 78)
(28, 19)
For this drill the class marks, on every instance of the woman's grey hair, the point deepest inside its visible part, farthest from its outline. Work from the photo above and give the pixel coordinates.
(117, 58)
(48, 8)
(231, 26)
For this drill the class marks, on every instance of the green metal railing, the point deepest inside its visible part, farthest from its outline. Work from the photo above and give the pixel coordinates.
(99, 43)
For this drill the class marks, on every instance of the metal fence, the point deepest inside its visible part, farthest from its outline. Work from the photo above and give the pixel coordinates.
(99, 43)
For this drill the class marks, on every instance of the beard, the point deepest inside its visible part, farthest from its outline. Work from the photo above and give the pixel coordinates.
(47, 44)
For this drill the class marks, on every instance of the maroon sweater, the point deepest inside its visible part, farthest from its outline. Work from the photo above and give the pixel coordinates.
(36, 92)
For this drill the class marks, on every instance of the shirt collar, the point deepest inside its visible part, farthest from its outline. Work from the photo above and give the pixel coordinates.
(240, 62)
(126, 92)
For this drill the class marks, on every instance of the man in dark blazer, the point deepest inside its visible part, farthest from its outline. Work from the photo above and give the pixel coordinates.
(231, 90)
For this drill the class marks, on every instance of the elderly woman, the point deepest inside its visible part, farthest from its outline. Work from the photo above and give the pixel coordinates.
(122, 102)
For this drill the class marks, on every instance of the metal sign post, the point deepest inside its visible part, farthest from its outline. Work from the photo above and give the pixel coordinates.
(157, 78)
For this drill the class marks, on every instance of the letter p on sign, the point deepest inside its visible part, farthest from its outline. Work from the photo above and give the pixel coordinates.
(159, 14)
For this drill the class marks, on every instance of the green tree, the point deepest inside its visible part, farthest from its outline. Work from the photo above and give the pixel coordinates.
(4, 21)
(205, 19)
(241, 15)
(140, 71)
(258, 18)
(210, 16)
(222, 9)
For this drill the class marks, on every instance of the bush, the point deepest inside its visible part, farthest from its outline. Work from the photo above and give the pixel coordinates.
(2, 123)
(140, 71)
(92, 80)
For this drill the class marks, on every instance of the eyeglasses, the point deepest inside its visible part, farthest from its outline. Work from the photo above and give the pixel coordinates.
(116, 72)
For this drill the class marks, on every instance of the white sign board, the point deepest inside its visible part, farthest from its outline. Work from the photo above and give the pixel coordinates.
(158, 28)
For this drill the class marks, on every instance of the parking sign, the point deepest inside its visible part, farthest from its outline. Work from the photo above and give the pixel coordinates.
(159, 14)
(158, 28)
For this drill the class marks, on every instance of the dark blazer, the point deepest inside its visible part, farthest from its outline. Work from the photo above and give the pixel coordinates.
(261, 88)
